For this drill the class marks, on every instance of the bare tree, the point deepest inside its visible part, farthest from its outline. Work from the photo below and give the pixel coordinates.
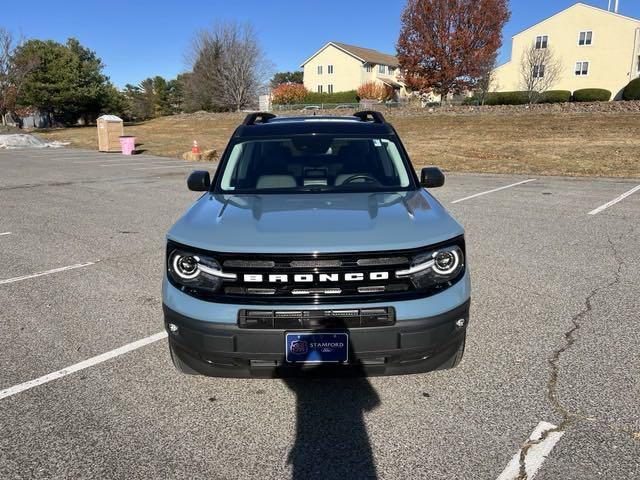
(12, 72)
(229, 69)
(540, 69)
(486, 78)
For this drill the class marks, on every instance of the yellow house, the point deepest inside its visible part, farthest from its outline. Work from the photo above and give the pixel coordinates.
(595, 48)
(338, 67)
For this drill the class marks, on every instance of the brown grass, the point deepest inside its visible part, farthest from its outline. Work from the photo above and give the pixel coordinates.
(580, 144)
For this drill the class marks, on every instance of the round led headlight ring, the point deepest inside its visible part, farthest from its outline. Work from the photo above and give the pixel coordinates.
(185, 266)
(445, 262)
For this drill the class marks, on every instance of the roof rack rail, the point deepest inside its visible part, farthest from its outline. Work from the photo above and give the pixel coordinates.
(370, 115)
(257, 117)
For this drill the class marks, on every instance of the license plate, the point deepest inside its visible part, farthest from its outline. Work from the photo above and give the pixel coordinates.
(317, 347)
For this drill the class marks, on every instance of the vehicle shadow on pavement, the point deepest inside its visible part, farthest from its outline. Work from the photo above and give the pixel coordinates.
(331, 437)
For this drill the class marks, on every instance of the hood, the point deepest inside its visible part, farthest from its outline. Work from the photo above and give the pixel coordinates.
(315, 222)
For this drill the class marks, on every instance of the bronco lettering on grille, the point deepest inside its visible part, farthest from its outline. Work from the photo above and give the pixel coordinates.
(315, 277)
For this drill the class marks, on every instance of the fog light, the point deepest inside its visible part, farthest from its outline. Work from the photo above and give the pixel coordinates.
(173, 328)
(460, 322)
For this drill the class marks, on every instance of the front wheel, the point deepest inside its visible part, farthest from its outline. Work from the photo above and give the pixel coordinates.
(180, 365)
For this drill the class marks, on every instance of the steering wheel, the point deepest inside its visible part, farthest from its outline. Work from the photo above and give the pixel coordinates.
(361, 176)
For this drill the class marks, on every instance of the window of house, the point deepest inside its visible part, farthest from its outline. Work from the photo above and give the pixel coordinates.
(329, 68)
(391, 70)
(319, 69)
(541, 41)
(638, 66)
(582, 68)
(319, 88)
(538, 71)
(585, 38)
(368, 67)
(330, 88)
(381, 68)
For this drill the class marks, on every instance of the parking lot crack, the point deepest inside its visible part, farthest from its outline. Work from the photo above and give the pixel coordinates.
(570, 337)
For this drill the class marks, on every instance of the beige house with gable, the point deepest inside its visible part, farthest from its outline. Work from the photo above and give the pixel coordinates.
(338, 67)
(595, 47)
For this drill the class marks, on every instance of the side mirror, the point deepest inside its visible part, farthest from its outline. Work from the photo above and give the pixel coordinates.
(199, 181)
(431, 177)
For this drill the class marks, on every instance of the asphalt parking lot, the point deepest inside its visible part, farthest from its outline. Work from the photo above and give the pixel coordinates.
(553, 338)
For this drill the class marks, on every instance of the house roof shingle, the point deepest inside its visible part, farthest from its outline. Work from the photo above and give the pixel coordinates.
(369, 55)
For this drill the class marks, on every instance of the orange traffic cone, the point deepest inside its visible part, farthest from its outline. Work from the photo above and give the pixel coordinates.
(195, 148)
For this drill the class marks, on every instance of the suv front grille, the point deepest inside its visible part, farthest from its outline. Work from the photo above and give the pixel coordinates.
(322, 278)
(315, 319)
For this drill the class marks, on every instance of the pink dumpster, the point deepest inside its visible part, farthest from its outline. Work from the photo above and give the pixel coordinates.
(128, 144)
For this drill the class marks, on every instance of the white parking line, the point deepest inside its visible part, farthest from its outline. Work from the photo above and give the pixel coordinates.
(140, 163)
(120, 164)
(5, 233)
(114, 161)
(45, 154)
(64, 158)
(172, 166)
(494, 190)
(538, 451)
(8, 392)
(104, 160)
(614, 201)
(58, 152)
(46, 272)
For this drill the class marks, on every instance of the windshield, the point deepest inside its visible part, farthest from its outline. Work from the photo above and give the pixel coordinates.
(315, 163)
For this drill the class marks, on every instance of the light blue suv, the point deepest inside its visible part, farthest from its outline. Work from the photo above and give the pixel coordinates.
(315, 249)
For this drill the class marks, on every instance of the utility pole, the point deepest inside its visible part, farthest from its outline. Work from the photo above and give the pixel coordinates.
(615, 8)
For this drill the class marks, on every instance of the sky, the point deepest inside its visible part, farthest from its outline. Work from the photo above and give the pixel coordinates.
(142, 38)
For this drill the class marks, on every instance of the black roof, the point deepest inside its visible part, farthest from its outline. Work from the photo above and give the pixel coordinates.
(361, 123)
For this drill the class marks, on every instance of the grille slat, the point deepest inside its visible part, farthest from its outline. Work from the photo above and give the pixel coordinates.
(315, 263)
(316, 319)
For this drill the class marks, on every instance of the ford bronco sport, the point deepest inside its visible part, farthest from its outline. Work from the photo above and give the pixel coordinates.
(315, 246)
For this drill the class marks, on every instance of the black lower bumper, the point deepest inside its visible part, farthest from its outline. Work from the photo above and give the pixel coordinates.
(412, 346)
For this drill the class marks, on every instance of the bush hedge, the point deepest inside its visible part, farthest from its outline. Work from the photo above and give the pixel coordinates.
(506, 98)
(552, 96)
(591, 95)
(632, 90)
(555, 96)
(337, 97)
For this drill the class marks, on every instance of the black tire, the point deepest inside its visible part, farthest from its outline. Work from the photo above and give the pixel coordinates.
(180, 365)
(456, 358)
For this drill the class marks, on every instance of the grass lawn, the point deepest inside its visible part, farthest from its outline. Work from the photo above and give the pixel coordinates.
(580, 144)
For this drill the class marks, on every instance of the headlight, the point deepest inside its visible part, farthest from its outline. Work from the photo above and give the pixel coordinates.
(188, 269)
(185, 266)
(435, 269)
(445, 262)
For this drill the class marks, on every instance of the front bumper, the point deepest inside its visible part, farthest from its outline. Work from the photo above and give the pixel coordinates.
(408, 346)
